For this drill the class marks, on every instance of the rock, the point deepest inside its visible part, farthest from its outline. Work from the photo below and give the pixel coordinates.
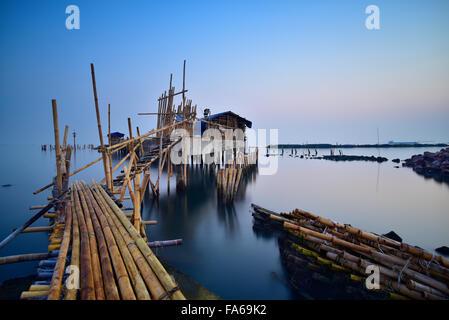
(443, 250)
(431, 164)
(396, 160)
(355, 158)
(393, 236)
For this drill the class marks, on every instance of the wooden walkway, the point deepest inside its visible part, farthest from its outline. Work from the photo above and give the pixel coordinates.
(108, 258)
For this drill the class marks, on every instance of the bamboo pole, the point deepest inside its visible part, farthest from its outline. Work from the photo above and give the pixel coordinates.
(238, 180)
(136, 213)
(109, 144)
(64, 141)
(87, 291)
(37, 229)
(156, 266)
(141, 145)
(33, 294)
(71, 293)
(56, 281)
(103, 150)
(165, 243)
(183, 84)
(126, 178)
(57, 146)
(154, 131)
(68, 155)
(16, 232)
(23, 258)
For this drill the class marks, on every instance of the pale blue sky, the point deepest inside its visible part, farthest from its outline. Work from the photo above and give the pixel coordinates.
(309, 68)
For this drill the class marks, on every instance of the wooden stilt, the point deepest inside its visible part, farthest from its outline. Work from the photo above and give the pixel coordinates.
(103, 150)
(57, 146)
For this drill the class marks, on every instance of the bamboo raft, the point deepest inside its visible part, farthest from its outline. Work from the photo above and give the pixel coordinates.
(113, 259)
(308, 240)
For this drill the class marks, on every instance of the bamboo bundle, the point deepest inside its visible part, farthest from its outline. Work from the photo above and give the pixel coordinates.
(87, 208)
(139, 285)
(110, 287)
(420, 253)
(161, 273)
(355, 249)
(123, 280)
(86, 277)
(152, 282)
(228, 180)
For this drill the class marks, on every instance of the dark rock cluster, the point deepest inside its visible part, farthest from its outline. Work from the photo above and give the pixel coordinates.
(354, 158)
(431, 164)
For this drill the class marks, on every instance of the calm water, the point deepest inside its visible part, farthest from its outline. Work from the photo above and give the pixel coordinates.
(220, 248)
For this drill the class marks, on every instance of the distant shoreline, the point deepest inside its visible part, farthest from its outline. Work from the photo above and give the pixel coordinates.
(341, 146)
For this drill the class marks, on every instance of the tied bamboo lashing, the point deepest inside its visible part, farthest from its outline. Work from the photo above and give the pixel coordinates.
(402, 270)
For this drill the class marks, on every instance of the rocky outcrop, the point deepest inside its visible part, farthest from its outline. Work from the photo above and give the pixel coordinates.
(431, 164)
(393, 236)
(354, 158)
(443, 250)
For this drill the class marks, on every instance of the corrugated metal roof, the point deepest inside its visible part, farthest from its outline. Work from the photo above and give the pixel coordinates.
(117, 134)
(211, 117)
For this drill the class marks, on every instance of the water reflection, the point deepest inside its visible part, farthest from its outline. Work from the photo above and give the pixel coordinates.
(220, 248)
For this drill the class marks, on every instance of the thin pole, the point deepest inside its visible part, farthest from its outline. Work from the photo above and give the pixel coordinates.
(64, 141)
(183, 84)
(58, 149)
(74, 143)
(109, 143)
(97, 110)
(141, 145)
(109, 124)
(30, 221)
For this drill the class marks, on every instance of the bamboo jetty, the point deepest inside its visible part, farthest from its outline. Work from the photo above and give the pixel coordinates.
(97, 250)
(317, 243)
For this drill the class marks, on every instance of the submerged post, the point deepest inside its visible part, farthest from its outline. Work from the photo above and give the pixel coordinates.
(57, 146)
(97, 110)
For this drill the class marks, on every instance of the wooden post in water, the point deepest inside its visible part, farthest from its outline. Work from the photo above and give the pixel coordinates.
(64, 141)
(57, 146)
(103, 151)
(168, 170)
(183, 84)
(130, 129)
(63, 153)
